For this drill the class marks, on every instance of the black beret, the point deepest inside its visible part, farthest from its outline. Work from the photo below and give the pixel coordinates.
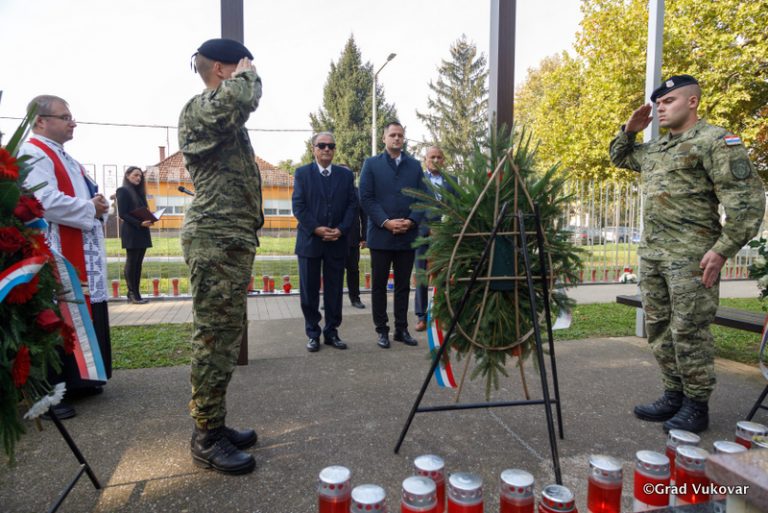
(671, 84)
(223, 50)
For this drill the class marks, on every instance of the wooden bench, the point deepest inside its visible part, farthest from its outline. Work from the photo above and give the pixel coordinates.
(730, 318)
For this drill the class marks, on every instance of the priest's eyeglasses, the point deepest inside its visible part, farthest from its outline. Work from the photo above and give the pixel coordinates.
(64, 117)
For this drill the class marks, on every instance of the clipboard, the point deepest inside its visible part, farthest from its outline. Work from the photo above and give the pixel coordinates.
(145, 214)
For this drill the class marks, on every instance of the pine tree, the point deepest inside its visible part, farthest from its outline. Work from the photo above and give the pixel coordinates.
(458, 111)
(346, 109)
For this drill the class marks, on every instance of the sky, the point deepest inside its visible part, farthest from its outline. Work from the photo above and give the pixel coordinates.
(128, 62)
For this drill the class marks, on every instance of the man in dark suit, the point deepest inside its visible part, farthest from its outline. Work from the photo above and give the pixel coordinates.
(434, 161)
(392, 228)
(325, 203)
(356, 241)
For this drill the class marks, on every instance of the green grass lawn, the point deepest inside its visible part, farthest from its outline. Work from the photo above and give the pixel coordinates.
(164, 345)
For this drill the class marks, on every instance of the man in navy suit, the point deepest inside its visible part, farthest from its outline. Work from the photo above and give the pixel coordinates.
(392, 228)
(325, 203)
(434, 161)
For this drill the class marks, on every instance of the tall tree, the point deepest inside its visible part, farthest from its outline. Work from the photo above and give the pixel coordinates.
(721, 43)
(457, 116)
(346, 109)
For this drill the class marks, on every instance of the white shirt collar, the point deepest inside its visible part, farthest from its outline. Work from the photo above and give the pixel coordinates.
(321, 168)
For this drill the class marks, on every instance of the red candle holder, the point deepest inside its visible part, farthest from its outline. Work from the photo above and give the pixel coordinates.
(516, 491)
(675, 439)
(250, 284)
(557, 499)
(419, 495)
(433, 467)
(115, 288)
(265, 281)
(604, 485)
(367, 280)
(746, 430)
(271, 284)
(368, 498)
(334, 490)
(691, 483)
(465, 493)
(155, 287)
(287, 287)
(651, 482)
(175, 283)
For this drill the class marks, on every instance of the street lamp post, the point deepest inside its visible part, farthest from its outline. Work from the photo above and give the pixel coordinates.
(373, 104)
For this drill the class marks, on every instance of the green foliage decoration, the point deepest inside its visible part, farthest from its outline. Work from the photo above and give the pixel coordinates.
(496, 325)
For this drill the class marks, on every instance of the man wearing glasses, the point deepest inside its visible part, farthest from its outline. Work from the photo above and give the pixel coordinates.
(325, 204)
(74, 210)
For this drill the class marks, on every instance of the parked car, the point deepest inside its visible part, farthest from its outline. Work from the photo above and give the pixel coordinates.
(584, 236)
(621, 234)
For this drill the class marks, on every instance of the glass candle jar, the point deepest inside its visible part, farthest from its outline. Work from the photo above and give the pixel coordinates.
(557, 499)
(745, 430)
(419, 495)
(676, 438)
(516, 491)
(691, 483)
(604, 484)
(333, 489)
(465, 493)
(433, 467)
(651, 481)
(725, 447)
(368, 498)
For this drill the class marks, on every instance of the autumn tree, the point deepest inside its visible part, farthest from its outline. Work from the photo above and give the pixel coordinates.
(346, 109)
(585, 97)
(457, 115)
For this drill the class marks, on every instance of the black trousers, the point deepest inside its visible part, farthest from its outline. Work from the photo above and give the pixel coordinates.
(309, 293)
(133, 261)
(352, 266)
(402, 264)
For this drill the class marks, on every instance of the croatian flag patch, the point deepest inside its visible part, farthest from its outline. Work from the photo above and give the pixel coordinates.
(732, 140)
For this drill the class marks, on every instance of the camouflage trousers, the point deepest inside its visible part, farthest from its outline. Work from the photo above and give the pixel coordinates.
(678, 312)
(219, 275)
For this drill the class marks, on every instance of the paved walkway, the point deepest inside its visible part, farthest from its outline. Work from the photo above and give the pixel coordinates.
(280, 306)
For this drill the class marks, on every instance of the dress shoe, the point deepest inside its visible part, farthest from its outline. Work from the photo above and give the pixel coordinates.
(335, 341)
(358, 304)
(693, 416)
(663, 408)
(383, 340)
(62, 411)
(313, 345)
(242, 439)
(136, 299)
(421, 325)
(211, 448)
(405, 338)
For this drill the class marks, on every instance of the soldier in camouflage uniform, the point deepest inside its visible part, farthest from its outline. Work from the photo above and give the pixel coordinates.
(219, 241)
(686, 173)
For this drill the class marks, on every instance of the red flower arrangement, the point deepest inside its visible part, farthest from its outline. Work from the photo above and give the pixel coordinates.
(9, 168)
(32, 324)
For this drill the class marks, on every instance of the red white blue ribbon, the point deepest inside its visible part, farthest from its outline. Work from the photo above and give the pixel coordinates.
(443, 372)
(19, 273)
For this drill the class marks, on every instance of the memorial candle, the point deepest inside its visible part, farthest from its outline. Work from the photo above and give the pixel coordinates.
(604, 484)
(333, 489)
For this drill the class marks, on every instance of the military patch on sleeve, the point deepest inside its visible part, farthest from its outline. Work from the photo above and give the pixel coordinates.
(732, 140)
(740, 168)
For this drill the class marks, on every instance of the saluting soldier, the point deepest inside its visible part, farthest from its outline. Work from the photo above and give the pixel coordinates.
(219, 241)
(686, 173)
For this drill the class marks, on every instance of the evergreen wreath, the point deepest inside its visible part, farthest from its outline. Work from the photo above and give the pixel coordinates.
(496, 323)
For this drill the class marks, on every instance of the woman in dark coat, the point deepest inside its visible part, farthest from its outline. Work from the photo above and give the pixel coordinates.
(134, 233)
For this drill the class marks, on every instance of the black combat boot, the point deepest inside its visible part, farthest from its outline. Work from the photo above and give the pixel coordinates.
(664, 408)
(242, 439)
(212, 449)
(693, 417)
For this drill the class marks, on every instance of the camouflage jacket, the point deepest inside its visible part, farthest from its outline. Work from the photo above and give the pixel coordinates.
(219, 157)
(684, 179)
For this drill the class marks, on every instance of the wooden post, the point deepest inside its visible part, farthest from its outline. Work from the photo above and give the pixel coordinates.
(501, 94)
